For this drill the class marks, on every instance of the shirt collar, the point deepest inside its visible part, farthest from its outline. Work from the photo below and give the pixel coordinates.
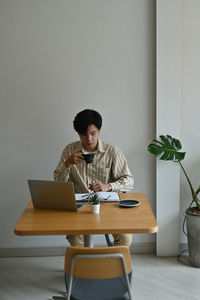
(100, 147)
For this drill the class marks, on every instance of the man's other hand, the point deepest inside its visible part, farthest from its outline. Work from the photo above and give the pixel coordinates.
(100, 187)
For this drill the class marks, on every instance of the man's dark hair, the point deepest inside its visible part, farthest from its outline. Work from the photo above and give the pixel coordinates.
(86, 118)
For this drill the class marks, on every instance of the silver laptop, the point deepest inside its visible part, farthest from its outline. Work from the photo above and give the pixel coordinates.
(56, 195)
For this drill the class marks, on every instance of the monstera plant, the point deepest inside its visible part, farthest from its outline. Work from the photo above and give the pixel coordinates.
(168, 148)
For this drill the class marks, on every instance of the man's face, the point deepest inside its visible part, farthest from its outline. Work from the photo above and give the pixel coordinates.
(90, 139)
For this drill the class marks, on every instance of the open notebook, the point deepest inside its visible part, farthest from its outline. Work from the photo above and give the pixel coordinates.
(104, 196)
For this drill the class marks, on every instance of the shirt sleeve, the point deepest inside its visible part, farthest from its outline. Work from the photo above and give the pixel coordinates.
(62, 173)
(122, 179)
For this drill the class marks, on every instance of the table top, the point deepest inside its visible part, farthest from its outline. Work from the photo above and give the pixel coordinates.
(111, 219)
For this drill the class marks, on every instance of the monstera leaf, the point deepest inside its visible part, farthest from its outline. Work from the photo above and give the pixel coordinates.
(167, 149)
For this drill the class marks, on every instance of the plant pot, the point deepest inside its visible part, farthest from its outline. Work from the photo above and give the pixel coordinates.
(95, 208)
(193, 236)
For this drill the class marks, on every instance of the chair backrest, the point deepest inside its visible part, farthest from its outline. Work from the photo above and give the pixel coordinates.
(93, 273)
(98, 268)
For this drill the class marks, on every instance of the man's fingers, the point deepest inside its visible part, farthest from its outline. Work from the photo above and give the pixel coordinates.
(94, 187)
(98, 187)
(76, 158)
(78, 155)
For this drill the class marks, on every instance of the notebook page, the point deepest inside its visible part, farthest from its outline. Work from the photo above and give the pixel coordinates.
(106, 196)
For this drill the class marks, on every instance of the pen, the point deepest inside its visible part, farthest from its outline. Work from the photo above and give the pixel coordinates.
(87, 195)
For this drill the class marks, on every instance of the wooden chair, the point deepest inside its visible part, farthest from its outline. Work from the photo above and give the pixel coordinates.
(98, 273)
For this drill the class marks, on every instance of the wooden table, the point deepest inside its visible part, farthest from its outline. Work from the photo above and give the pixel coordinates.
(112, 219)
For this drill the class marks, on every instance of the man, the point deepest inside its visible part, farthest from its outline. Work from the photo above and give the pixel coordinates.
(108, 172)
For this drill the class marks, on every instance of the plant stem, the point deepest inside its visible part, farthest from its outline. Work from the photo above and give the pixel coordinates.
(194, 195)
(198, 190)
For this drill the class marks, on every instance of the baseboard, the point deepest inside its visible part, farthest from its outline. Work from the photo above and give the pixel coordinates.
(32, 251)
(139, 248)
(143, 248)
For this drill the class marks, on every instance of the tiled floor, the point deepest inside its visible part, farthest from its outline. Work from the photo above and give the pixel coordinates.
(39, 278)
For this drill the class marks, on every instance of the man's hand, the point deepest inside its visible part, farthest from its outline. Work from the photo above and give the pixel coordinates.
(100, 187)
(74, 159)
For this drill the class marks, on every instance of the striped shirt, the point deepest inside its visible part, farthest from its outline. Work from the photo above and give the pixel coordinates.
(109, 166)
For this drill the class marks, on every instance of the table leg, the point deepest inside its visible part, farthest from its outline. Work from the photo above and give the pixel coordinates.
(88, 240)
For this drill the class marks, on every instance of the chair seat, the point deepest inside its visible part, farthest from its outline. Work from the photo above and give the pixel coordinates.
(96, 289)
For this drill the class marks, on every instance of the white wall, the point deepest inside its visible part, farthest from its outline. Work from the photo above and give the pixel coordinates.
(190, 98)
(168, 100)
(57, 58)
(179, 119)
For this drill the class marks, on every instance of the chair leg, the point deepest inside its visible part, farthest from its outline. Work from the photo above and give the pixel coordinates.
(109, 243)
(64, 297)
(70, 288)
